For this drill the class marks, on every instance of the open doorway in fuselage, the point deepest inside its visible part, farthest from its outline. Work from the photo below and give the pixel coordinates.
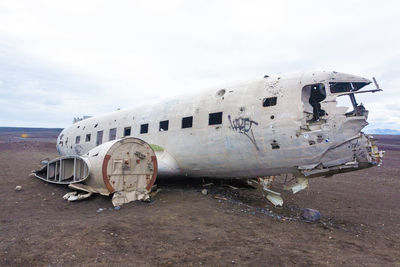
(312, 96)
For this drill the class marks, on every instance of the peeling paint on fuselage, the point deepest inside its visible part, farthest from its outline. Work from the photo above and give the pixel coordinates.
(241, 145)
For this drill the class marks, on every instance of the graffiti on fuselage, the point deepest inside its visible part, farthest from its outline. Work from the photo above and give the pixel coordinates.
(244, 126)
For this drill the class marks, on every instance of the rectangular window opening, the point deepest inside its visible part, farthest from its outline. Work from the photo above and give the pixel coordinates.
(113, 134)
(187, 122)
(99, 139)
(77, 140)
(144, 128)
(342, 87)
(163, 126)
(215, 118)
(87, 138)
(127, 131)
(269, 101)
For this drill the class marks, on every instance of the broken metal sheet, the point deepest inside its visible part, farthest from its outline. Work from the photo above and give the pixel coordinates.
(266, 183)
(328, 171)
(74, 196)
(308, 167)
(88, 189)
(274, 197)
(302, 183)
(375, 153)
(123, 197)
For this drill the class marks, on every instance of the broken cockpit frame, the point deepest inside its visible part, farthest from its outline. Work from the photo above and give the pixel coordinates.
(333, 141)
(350, 89)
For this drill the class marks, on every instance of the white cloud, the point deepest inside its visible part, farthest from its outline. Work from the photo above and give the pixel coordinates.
(105, 55)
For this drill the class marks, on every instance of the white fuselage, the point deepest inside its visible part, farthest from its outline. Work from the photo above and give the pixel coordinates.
(253, 139)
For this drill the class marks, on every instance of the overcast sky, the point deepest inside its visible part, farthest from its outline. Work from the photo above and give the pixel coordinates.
(63, 59)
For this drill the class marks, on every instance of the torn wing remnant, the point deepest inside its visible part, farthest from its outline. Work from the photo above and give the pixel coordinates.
(64, 170)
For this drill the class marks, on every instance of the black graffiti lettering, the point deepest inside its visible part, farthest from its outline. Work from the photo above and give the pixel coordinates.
(243, 126)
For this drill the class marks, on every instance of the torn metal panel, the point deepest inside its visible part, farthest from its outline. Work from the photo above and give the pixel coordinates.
(123, 197)
(302, 183)
(87, 188)
(274, 197)
(355, 153)
(74, 196)
(266, 183)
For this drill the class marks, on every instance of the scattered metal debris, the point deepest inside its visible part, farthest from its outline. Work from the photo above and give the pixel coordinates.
(155, 192)
(302, 183)
(220, 197)
(74, 196)
(274, 197)
(232, 187)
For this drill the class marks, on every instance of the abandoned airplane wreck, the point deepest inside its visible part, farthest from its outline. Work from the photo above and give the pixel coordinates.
(279, 124)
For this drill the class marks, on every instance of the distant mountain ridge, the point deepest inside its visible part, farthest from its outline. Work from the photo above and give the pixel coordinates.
(383, 131)
(27, 129)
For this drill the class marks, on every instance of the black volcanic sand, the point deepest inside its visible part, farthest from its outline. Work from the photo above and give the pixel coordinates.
(360, 222)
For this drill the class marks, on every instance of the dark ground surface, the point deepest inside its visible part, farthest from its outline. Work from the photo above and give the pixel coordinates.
(360, 222)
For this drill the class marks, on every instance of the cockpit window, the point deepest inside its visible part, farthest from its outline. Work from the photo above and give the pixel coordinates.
(350, 89)
(342, 87)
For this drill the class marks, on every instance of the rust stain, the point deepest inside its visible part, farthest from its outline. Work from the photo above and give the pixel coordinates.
(106, 179)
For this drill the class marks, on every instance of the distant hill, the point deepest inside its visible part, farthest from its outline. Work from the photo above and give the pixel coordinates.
(27, 129)
(25, 134)
(383, 131)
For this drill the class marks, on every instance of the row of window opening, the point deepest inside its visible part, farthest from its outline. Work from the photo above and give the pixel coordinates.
(187, 122)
